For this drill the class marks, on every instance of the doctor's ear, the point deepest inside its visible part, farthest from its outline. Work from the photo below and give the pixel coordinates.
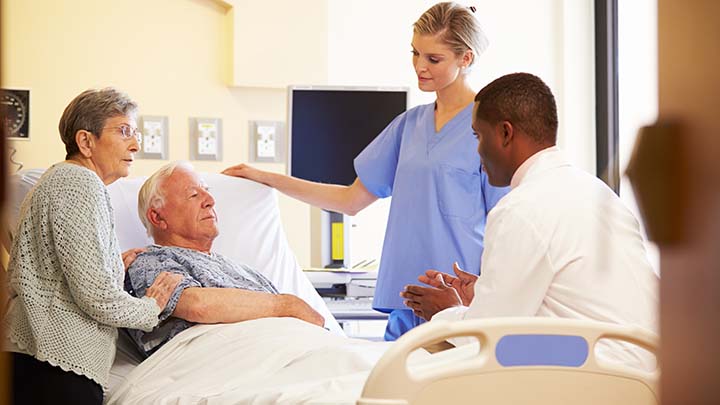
(508, 132)
(85, 141)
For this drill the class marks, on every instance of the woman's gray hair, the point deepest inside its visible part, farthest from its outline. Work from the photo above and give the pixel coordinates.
(89, 111)
(457, 27)
(150, 195)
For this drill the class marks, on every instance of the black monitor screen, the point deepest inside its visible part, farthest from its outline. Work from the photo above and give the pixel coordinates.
(328, 128)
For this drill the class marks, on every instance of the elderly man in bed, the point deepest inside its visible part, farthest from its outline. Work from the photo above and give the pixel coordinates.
(179, 213)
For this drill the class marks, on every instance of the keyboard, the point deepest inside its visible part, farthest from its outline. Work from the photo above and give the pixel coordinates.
(353, 308)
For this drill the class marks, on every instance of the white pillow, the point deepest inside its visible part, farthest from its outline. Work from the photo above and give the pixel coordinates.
(250, 232)
(19, 185)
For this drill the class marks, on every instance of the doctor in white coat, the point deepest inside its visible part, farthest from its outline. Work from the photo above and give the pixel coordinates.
(560, 244)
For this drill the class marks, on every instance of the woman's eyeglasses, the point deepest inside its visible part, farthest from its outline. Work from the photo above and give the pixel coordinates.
(127, 132)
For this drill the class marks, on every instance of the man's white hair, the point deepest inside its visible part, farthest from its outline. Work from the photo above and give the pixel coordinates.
(151, 195)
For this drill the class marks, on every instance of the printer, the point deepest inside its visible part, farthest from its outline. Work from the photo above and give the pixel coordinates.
(343, 284)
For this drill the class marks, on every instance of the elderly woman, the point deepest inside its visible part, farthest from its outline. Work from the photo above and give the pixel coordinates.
(66, 270)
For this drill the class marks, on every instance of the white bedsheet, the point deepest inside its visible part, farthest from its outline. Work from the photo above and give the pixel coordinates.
(271, 360)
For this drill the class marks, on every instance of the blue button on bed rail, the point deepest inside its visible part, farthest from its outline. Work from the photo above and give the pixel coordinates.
(541, 350)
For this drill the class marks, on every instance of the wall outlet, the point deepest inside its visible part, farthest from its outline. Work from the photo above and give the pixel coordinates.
(267, 143)
(206, 138)
(152, 142)
(154, 137)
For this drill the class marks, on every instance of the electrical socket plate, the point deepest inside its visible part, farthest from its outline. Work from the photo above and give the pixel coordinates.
(205, 139)
(154, 137)
(267, 141)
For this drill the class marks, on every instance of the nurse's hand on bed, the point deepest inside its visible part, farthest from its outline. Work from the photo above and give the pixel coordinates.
(427, 301)
(163, 286)
(246, 172)
(130, 255)
(464, 283)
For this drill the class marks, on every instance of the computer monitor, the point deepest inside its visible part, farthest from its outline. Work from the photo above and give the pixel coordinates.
(329, 126)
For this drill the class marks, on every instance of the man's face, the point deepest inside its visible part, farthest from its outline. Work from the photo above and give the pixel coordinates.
(491, 150)
(189, 209)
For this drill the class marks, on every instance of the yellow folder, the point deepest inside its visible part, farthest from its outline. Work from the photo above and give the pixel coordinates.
(337, 240)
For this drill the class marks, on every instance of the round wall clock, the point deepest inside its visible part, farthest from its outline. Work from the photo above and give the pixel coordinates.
(15, 109)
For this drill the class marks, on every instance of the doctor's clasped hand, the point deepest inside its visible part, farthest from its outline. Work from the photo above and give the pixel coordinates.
(444, 291)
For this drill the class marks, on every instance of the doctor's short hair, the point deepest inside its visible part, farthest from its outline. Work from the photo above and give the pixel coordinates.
(151, 195)
(89, 111)
(524, 100)
(457, 26)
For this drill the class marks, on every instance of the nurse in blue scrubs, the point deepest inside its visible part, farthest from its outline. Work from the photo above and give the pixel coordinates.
(426, 160)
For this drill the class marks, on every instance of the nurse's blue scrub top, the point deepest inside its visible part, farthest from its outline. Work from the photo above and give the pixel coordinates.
(440, 198)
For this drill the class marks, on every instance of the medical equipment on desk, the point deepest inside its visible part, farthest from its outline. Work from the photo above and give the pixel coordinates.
(348, 294)
(334, 283)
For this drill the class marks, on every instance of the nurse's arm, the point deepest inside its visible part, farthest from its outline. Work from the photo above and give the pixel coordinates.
(348, 200)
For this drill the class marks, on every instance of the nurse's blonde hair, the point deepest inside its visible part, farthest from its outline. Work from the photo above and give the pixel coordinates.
(457, 27)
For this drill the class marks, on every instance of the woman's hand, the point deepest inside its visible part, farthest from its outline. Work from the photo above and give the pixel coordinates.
(129, 256)
(246, 172)
(163, 286)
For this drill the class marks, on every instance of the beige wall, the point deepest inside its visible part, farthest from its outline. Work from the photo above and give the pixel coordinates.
(277, 43)
(169, 55)
(553, 39)
(188, 58)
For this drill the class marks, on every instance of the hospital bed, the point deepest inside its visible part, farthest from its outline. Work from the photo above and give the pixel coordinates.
(283, 360)
(502, 369)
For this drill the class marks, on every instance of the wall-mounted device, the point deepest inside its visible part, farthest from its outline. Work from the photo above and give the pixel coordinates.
(15, 110)
(267, 141)
(155, 136)
(205, 139)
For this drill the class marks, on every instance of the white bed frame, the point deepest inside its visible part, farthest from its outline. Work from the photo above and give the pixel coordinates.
(480, 378)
